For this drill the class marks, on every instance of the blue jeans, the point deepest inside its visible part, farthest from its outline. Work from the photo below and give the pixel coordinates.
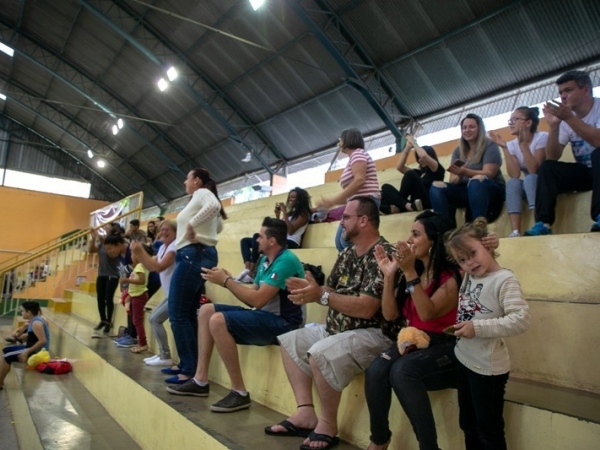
(184, 294)
(482, 198)
(253, 327)
(410, 376)
(481, 403)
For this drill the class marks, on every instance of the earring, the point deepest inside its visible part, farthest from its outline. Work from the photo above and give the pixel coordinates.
(430, 251)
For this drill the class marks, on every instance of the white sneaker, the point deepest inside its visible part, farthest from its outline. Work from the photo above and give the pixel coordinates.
(160, 362)
(247, 279)
(151, 358)
(242, 274)
(514, 233)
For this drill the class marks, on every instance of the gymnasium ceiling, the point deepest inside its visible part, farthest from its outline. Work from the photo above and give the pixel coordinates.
(280, 82)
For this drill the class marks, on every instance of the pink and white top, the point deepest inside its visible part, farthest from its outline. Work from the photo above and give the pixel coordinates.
(371, 185)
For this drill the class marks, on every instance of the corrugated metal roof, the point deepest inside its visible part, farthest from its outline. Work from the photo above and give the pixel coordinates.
(287, 100)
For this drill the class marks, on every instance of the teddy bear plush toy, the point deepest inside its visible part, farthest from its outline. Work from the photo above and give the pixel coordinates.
(411, 339)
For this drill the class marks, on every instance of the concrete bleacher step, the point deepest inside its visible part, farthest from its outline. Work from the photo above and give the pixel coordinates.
(134, 395)
(537, 415)
(57, 411)
(60, 305)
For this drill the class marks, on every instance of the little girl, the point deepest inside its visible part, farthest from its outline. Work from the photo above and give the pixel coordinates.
(490, 306)
(138, 293)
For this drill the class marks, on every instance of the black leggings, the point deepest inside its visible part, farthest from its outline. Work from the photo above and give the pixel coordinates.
(105, 288)
(411, 188)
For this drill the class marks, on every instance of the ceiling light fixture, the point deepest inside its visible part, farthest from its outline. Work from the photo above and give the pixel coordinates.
(2, 96)
(120, 123)
(247, 158)
(172, 74)
(101, 163)
(115, 129)
(90, 154)
(162, 84)
(6, 49)
(256, 4)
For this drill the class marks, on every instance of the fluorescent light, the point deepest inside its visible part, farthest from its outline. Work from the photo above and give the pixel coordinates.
(101, 163)
(90, 154)
(247, 158)
(162, 84)
(115, 129)
(120, 123)
(172, 73)
(6, 49)
(2, 96)
(256, 4)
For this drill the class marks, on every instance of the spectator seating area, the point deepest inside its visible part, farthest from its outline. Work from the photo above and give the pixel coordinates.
(553, 395)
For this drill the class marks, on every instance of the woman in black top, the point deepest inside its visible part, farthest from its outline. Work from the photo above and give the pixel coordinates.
(415, 184)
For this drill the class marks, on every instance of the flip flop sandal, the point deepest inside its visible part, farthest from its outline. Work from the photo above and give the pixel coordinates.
(332, 441)
(291, 430)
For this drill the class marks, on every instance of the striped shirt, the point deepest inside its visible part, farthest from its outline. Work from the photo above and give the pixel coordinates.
(371, 185)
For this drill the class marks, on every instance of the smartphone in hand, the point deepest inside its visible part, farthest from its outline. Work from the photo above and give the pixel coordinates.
(450, 330)
(458, 163)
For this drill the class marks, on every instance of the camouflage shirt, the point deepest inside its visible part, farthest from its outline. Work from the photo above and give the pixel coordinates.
(355, 275)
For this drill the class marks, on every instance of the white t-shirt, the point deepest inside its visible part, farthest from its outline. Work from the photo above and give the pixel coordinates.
(582, 150)
(165, 275)
(540, 138)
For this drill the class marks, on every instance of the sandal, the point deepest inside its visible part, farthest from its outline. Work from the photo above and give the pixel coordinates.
(332, 441)
(290, 430)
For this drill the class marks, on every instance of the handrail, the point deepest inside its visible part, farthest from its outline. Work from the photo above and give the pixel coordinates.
(40, 248)
(30, 251)
(59, 244)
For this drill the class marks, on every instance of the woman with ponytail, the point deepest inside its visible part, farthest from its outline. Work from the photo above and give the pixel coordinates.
(524, 154)
(197, 227)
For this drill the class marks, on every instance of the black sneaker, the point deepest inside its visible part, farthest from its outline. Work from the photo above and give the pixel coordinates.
(232, 402)
(100, 325)
(189, 388)
(107, 327)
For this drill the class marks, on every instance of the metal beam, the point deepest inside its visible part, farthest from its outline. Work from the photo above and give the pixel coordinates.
(76, 139)
(170, 163)
(381, 106)
(220, 93)
(454, 32)
(62, 112)
(216, 115)
(68, 154)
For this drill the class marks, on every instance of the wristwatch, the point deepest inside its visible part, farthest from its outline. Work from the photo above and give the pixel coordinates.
(410, 285)
(324, 300)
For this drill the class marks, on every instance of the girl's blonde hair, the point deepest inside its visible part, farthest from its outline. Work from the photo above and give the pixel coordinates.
(456, 240)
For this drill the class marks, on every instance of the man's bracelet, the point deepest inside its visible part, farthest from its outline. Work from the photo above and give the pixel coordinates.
(225, 281)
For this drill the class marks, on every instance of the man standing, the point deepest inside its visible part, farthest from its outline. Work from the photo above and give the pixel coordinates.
(576, 119)
(354, 334)
(226, 325)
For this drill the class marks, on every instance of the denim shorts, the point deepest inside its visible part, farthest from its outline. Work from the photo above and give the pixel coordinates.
(253, 327)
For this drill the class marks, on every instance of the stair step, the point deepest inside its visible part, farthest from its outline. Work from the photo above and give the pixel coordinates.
(128, 388)
(63, 413)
